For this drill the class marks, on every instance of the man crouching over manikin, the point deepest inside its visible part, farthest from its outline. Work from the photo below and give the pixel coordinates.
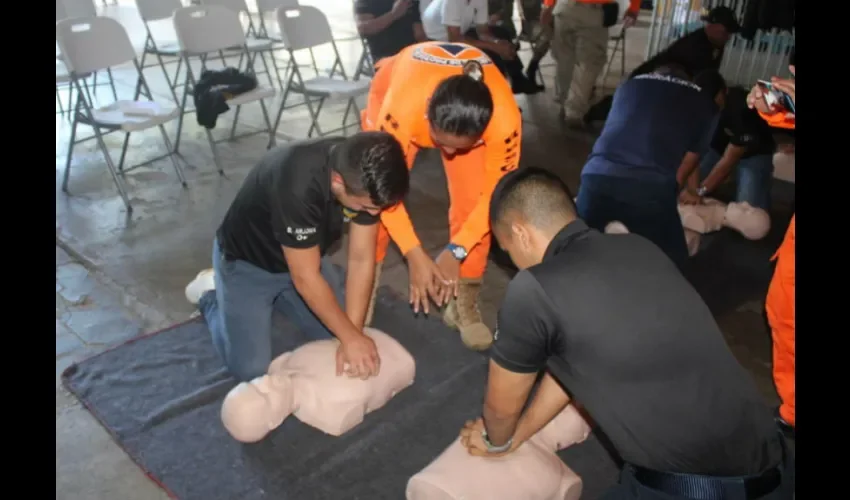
(269, 252)
(592, 311)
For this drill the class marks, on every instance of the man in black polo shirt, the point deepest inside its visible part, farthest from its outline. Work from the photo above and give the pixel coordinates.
(268, 252)
(611, 320)
(743, 140)
(388, 25)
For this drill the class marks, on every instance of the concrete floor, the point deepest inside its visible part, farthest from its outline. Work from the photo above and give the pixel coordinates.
(118, 276)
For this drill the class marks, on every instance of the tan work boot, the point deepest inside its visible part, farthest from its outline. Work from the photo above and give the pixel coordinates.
(371, 308)
(462, 313)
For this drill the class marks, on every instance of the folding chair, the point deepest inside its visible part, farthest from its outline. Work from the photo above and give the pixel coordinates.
(266, 7)
(202, 30)
(155, 11)
(366, 64)
(94, 44)
(66, 9)
(305, 28)
(255, 44)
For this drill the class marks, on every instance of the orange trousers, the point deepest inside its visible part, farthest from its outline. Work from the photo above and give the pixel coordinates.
(780, 315)
(464, 177)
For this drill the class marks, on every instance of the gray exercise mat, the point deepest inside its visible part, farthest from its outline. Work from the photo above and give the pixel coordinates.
(160, 395)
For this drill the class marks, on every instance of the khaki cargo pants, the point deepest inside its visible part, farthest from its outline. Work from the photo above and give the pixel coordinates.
(580, 49)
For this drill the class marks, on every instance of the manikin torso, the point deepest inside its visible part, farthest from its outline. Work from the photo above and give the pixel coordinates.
(532, 472)
(753, 223)
(304, 382)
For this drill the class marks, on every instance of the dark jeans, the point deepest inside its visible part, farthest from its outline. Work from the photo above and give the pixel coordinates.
(754, 177)
(649, 209)
(630, 489)
(239, 313)
(512, 68)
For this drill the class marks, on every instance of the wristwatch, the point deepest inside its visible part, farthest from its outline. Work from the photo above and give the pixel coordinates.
(457, 251)
(491, 448)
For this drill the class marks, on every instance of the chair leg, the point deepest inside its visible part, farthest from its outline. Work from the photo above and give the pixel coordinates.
(314, 115)
(235, 121)
(101, 144)
(112, 83)
(177, 168)
(268, 124)
(216, 158)
(71, 143)
(123, 156)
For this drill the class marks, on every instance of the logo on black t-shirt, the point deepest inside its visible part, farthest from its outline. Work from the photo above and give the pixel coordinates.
(348, 214)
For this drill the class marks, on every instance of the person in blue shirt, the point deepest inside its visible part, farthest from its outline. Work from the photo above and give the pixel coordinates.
(660, 122)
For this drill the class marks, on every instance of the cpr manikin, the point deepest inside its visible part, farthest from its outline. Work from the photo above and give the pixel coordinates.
(304, 382)
(532, 472)
(753, 223)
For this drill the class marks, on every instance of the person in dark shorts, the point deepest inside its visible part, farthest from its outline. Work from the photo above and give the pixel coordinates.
(613, 326)
(269, 252)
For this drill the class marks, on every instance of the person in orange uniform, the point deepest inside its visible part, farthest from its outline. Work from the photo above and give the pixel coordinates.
(580, 39)
(452, 97)
(779, 303)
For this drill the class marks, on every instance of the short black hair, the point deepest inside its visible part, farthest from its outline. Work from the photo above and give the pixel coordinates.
(538, 195)
(711, 82)
(373, 163)
(462, 104)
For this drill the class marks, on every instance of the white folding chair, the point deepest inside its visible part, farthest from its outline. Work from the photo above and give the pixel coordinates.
(366, 64)
(153, 12)
(94, 44)
(254, 44)
(268, 8)
(202, 30)
(83, 8)
(304, 28)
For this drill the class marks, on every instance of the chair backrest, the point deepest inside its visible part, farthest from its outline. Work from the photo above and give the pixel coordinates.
(264, 6)
(156, 10)
(75, 8)
(303, 27)
(202, 29)
(238, 6)
(91, 44)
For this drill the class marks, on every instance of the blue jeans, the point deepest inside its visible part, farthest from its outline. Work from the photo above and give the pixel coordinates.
(649, 209)
(754, 177)
(239, 312)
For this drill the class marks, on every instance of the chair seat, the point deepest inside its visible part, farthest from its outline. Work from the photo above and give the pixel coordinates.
(332, 87)
(252, 96)
(132, 116)
(257, 44)
(166, 49)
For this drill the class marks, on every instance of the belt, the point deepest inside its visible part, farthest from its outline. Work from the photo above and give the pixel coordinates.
(707, 487)
(699, 487)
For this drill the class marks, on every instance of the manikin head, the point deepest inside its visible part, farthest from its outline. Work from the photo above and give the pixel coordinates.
(528, 208)
(251, 410)
(460, 110)
(720, 25)
(369, 173)
(753, 223)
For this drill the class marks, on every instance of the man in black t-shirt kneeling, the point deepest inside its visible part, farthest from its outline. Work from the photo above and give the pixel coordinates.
(610, 322)
(744, 142)
(269, 251)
